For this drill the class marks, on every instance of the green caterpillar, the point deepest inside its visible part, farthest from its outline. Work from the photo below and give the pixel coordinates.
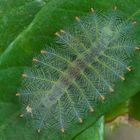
(66, 82)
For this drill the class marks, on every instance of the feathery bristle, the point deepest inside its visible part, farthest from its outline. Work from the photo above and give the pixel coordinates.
(68, 81)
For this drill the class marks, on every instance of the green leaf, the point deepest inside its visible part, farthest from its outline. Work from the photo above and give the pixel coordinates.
(95, 132)
(12, 23)
(117, 110)
(15, 21)
(6, 6)
(54, 16)
(134, 106)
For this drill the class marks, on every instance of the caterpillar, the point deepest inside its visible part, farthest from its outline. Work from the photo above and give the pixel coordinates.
(66, 83)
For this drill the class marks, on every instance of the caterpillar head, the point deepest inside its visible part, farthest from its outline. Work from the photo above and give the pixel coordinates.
(66, 83)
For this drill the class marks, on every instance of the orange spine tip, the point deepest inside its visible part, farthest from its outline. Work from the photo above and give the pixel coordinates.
(29, 109)
(77, 18)
(115, 8)
(62, 31)
(134, 22)
(18, 94)
(128, 68)
(102, 97)
(92, 10)
(43, 51)
(24, 75)
(57, 34)
(122, 78)
(80, 120)
(137, 48)
(21, 115)
(91, 109)
(62, 130)
(35, 60)
(38, 130)
(111, 89)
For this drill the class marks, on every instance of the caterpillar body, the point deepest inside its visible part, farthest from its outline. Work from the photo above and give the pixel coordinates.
(68, 81)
